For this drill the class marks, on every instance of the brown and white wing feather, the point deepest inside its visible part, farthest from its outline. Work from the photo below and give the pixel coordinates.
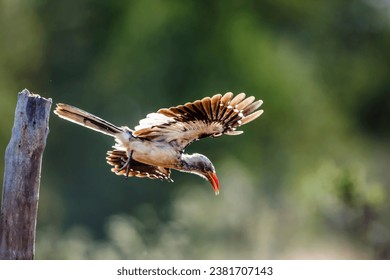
(118, 159)
(211, 116)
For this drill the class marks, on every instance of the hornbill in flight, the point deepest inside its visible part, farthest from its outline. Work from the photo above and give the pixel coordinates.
(157, 144)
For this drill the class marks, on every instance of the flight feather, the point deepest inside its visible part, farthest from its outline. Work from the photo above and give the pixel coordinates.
(211, 116)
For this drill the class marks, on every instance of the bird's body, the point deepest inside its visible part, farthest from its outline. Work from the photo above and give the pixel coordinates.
(157, 144)
(156, 153)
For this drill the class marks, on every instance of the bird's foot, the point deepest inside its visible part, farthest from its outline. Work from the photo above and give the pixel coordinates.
(127, 164)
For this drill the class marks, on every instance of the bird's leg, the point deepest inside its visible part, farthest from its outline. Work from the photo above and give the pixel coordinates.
(127, 164)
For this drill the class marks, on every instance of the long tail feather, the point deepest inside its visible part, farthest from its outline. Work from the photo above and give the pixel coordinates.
(86, 119)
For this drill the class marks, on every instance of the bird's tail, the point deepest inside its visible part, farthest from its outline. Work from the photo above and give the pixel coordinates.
(86, 119)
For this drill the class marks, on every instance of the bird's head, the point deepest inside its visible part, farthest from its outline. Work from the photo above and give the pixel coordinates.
(200, 165)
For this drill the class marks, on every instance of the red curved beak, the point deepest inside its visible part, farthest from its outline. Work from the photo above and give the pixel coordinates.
(213, 179)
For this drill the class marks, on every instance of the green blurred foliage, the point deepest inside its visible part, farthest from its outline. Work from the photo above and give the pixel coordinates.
(308, 179)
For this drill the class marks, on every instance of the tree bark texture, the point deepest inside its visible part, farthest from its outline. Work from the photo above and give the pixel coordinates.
(22, 172)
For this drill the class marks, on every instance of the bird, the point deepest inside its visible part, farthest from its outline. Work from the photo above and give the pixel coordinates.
(156, 145)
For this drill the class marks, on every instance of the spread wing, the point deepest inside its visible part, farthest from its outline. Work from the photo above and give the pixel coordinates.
(118, 158)
(211, 116)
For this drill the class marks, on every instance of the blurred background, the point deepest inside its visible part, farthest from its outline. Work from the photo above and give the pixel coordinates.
(309, 179)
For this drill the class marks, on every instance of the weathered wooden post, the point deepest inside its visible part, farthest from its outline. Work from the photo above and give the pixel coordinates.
(22, 172)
